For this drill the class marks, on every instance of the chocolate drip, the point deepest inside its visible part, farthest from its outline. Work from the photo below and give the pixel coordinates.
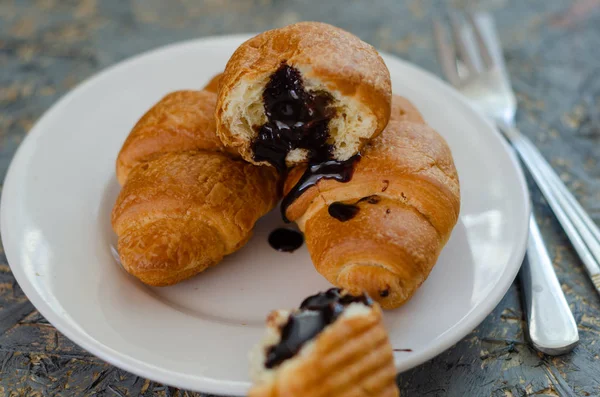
(343, 212)
(316, 313)
(374, 199)
(285, 240)
(296, 119)
(341, 171)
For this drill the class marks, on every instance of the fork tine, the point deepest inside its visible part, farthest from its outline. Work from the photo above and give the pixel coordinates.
(484, 51)
(459, 41)
(445, 53)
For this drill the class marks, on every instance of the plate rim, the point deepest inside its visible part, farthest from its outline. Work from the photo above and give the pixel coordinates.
(64, 324)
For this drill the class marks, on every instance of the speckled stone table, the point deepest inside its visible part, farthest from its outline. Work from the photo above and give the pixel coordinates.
(553, 55)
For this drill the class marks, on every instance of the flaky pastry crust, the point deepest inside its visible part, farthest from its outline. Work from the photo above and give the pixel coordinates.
(389, 248)
(185, 202)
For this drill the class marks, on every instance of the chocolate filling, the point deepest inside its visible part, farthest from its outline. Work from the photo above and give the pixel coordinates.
(316, 313)
(297, 119)
(285, 240)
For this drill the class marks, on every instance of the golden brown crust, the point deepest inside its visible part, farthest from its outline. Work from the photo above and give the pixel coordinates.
(350, 358)
(182, 212)
(213, 84)
(182, 120)
(404, 110)
(185, 203)
(337, 58)
(390, 247)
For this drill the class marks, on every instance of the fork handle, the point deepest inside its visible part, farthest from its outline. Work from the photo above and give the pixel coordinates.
(550, 323)
(578, 226)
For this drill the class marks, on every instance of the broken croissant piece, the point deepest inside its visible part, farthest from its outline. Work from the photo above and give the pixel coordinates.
(305, 92)
(334, 345)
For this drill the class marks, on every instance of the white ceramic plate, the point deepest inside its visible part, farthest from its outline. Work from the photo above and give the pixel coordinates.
(61, 186)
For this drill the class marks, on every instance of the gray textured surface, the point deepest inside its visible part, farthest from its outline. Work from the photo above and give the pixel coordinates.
(553, 55)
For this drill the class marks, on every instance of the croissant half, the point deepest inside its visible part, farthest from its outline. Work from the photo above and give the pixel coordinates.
(287, 93)
(185, 202)
(403, 202)
(351, 357)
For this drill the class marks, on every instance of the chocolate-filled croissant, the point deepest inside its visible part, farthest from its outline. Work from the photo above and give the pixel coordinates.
(335, 345)
(186, 202)
(383, 230)
(307, 92)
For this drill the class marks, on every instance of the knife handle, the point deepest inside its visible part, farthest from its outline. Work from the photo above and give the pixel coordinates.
(550, 323)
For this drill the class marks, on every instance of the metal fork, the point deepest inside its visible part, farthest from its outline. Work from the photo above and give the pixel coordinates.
(477, 69)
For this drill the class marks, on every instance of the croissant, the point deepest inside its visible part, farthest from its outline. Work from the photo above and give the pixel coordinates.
(382, 231)
(335, 345)
(181, 121)
(213, 84)
(185, 202)
(302, 93)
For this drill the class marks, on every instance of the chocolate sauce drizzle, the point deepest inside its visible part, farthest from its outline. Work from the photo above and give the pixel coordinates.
(316, 312)
(285, 240)
(374, 199)
(340, 171)
(344, 212)
(297, 119)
